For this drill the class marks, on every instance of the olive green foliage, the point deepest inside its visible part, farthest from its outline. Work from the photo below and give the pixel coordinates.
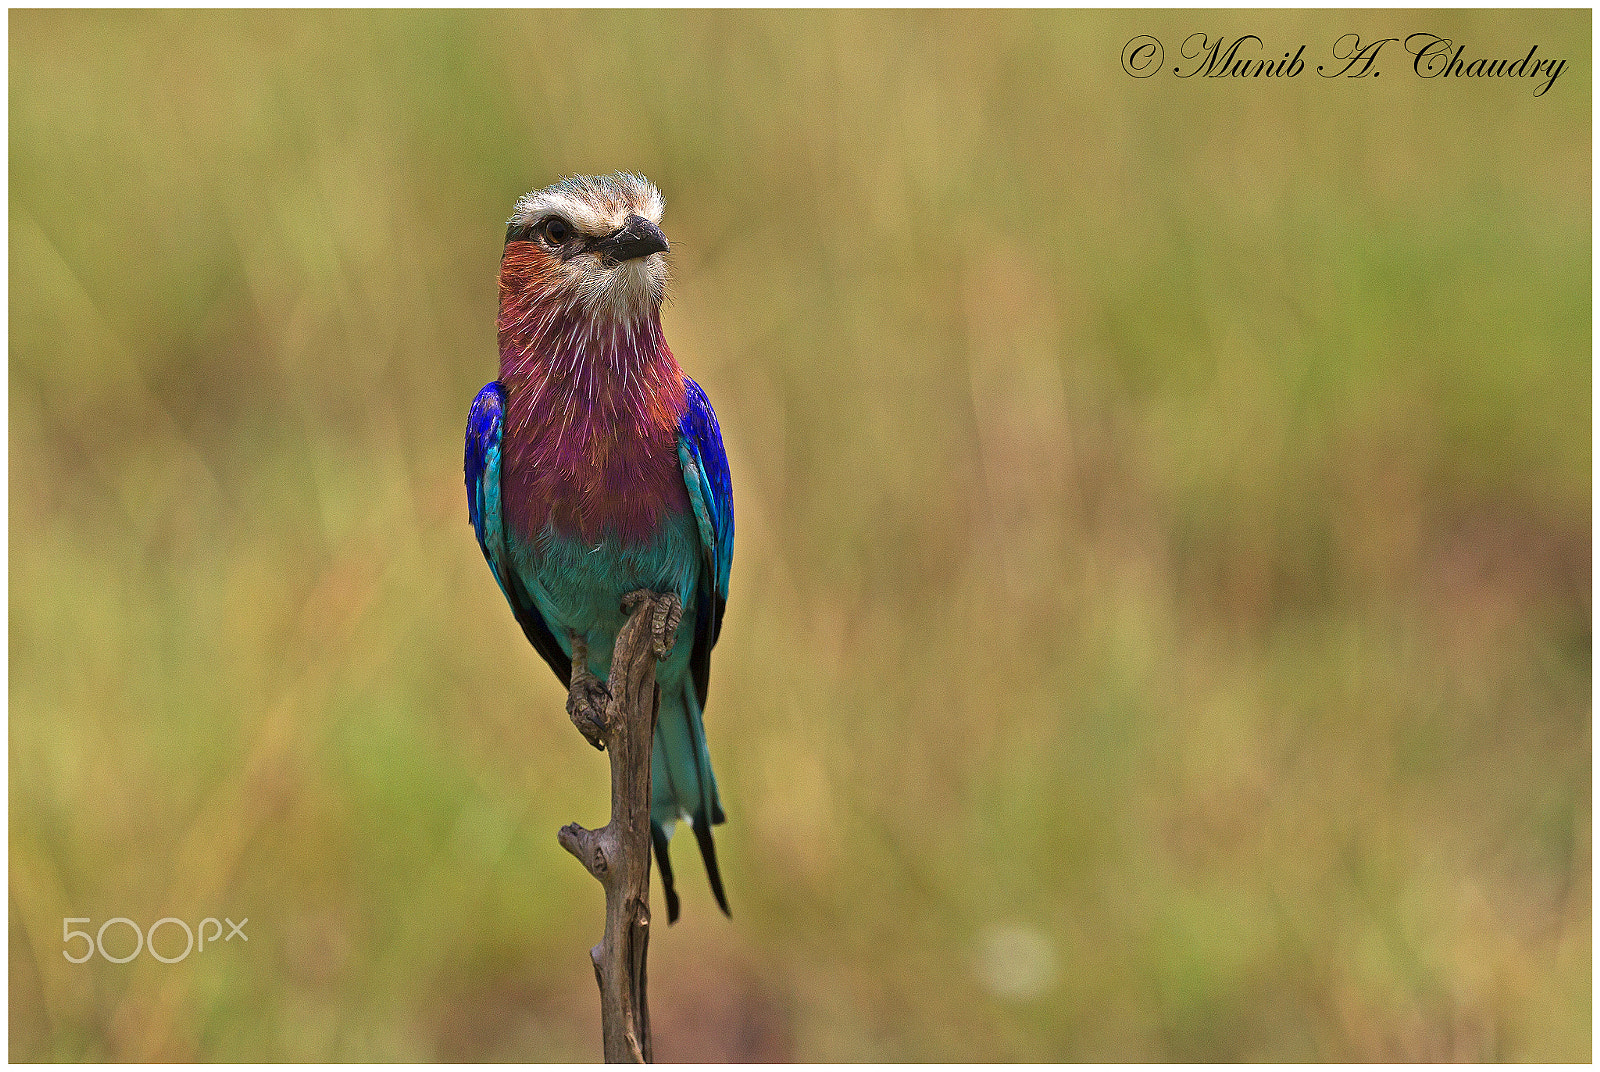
(1160, 625)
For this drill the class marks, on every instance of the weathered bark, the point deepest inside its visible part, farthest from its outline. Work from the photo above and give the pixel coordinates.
(618, 854)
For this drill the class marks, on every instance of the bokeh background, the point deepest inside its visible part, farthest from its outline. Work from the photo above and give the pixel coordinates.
(1161, 616)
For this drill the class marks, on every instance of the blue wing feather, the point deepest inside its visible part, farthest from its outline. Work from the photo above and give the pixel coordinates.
(483, 455)
(705, 472)
(482, 465)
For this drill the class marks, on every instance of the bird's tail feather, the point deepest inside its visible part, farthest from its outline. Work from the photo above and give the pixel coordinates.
(682, 785)
(708, 853)
(658, 837)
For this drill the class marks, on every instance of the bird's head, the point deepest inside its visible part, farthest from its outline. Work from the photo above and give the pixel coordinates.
(591, 244)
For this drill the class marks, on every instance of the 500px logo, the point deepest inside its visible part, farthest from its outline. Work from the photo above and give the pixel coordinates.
(146, 940)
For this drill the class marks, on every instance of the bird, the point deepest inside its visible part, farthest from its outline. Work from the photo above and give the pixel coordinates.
(595, 469)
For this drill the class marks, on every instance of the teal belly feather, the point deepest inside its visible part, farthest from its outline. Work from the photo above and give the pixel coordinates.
(579, 589)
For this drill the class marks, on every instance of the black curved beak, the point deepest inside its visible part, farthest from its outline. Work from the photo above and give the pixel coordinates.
(637, 238)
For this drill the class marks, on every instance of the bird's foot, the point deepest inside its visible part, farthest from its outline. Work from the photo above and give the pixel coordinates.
(664, 619)
(586, 706)
(587, 697)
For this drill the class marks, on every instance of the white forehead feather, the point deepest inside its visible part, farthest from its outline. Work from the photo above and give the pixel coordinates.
(594, 204)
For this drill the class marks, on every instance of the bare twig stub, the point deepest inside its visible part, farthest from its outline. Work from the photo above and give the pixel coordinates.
(618, 854)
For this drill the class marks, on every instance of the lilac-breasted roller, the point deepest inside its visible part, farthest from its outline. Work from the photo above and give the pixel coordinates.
(595, 468)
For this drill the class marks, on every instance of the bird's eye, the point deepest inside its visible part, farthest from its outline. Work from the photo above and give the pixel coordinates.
(556, 231)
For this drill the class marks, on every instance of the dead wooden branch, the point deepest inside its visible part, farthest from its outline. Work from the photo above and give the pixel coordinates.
(618, 854)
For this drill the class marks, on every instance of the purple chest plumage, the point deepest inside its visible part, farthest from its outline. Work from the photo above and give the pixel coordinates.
(591, 438)
(588, 473)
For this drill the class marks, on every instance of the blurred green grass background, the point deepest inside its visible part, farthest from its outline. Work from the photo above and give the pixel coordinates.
(1161, 616)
